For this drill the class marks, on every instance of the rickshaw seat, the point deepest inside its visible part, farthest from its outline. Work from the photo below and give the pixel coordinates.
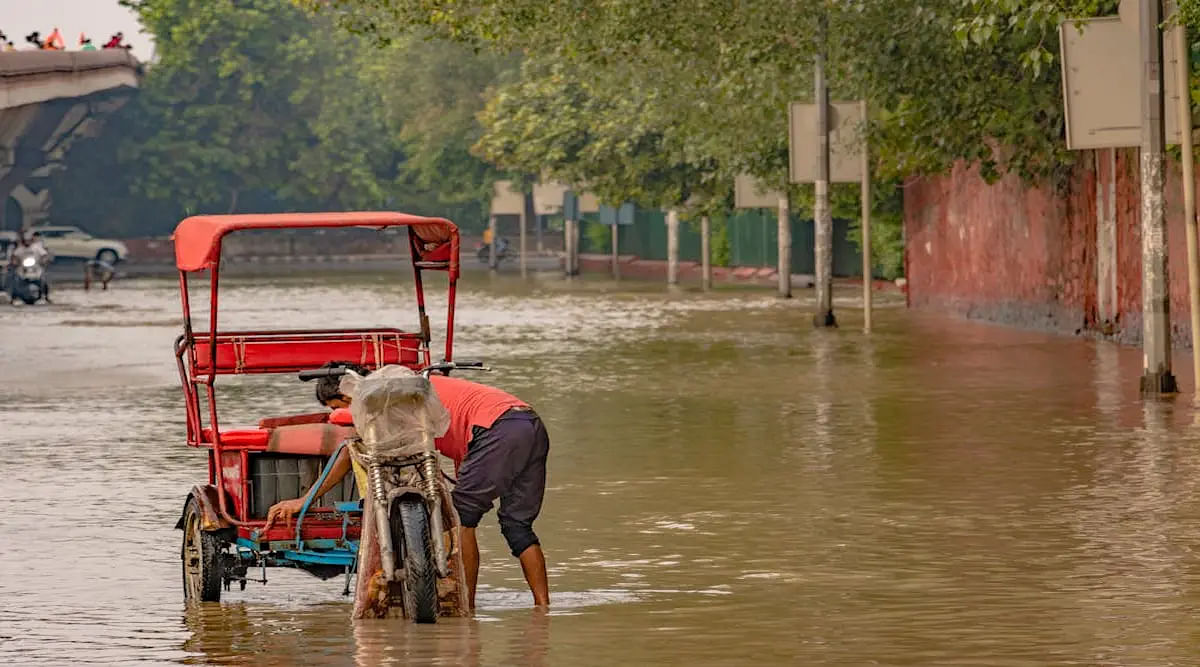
(248, 352)
(240, 437)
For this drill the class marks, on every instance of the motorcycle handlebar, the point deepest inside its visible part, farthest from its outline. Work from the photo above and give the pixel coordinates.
(442, 367)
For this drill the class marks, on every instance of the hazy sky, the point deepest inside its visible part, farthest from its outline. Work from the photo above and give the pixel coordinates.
(99, 19)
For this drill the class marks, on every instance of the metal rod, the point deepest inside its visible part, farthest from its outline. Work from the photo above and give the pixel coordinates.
(866, 227)
(672, 247)
(616, 262)
(1183, 97)
(526, 213)
(706, 273)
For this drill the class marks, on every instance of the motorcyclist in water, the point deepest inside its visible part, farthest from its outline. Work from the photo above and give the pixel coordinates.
(29, 246)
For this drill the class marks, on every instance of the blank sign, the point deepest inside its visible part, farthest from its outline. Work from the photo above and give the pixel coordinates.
(845, 142)
(748, 192)
(1102, 73)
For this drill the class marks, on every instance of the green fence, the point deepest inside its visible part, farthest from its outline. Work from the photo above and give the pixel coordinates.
(752, 240)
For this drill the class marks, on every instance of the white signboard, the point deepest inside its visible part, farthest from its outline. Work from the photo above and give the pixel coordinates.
(588, 203)
(845, 142)
(1101, 76)
(506, 200)
(748, 192)
(548, 198)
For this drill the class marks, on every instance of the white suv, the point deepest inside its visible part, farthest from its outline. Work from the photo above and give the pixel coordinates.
(74, 243)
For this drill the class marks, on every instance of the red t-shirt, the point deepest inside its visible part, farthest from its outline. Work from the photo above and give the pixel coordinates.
(469, 404)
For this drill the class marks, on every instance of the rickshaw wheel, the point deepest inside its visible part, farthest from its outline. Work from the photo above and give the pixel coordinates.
(410, 527)
(201, 557)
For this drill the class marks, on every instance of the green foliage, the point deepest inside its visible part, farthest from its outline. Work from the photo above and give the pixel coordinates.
(597, 237)
(722, 249)
(257, 105)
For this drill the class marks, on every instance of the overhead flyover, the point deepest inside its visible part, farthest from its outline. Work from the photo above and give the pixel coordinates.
(47, 100)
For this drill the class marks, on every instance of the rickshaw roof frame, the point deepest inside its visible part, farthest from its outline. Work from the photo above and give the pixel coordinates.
(198, 238)
(433, 243)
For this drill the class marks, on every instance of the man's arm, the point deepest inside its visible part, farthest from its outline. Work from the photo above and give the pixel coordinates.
(286, 509)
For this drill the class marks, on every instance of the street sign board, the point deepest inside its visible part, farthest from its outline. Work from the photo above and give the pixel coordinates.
(748, 192)
(506, 200)
(622, 215)
(845, 142)
(1101, 80)
(548, 198)
(570, 205)
(588, 203)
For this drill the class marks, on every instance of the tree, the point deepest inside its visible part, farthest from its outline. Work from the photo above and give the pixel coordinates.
(256, 105)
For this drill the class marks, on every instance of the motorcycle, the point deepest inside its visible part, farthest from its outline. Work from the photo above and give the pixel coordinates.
(484, 251)
(409, 516)
(29, 281)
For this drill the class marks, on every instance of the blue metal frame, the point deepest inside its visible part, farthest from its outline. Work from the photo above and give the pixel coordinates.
(341, 552)
(312, 493)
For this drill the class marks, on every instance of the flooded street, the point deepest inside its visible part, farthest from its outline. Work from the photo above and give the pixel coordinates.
(726, 486)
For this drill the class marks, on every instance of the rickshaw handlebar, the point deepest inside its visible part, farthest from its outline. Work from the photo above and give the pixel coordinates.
(444, 366)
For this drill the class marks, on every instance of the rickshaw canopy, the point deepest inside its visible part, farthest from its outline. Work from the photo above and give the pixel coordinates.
(198, 238)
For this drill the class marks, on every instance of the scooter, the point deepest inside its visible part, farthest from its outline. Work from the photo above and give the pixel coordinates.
(484, 252)
(29, 281)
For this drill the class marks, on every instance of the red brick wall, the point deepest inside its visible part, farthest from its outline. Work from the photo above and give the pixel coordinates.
(1017, 254)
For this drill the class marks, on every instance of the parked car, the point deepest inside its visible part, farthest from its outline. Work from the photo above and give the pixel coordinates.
(74, 243)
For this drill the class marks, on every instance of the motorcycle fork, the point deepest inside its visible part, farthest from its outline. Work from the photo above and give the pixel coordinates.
(430, 488)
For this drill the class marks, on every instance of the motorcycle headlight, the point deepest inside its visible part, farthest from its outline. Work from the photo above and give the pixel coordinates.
(28, 261)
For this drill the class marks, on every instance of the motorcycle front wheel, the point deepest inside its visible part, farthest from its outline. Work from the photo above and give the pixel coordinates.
(410, 528)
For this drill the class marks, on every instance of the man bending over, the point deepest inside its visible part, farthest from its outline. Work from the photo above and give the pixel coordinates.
(499, 447)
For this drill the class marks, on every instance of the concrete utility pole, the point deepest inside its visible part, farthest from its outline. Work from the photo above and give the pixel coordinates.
(705, 254)
(823, 216)
(570, 247)
(1182, 88)
(1156, 304)
(672, 247)
(784, 231)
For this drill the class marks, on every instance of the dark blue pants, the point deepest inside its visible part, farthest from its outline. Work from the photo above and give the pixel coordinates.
(508, 462)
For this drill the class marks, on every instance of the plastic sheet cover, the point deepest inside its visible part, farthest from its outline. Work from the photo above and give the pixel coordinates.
(395, 410)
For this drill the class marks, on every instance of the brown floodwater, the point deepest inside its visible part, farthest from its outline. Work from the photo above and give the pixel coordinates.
(726, 486)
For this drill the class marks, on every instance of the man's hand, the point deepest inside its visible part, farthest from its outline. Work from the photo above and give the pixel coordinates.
(283, 510)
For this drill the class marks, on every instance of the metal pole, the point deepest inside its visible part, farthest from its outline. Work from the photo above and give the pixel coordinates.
(672, 247)
(866, 227)
(823, 217)
(567, 248)
(705, 254)
(492, 245)
(1156, 304)
(784, 232)
(526, 214)
(1101, 291)
(1182, 88)
(616, 242)
(537, 227)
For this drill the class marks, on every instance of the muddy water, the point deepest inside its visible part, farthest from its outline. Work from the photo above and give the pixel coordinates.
(726, 485)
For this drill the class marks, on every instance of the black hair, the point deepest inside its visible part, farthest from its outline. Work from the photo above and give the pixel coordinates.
(329, 388)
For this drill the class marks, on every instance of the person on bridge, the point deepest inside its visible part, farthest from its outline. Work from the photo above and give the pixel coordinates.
(499, 447)
(35, 40)
(114, 42)
(55, 41)
(85, 43)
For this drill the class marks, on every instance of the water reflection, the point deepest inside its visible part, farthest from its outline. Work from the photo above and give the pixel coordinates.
(724, 482)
